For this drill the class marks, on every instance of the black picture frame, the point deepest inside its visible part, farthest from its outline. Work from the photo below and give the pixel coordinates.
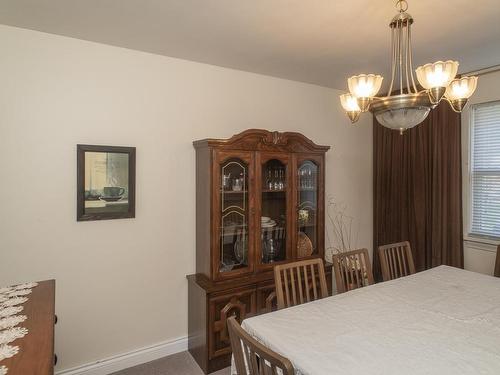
(83, 212)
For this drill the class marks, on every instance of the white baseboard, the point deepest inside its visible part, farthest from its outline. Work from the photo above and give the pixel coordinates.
(122, 361)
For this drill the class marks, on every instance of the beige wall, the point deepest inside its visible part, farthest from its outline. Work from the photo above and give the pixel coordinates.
(121, 283)
(479, 254)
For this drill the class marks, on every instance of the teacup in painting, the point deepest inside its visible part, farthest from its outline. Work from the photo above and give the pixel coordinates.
(113, 191)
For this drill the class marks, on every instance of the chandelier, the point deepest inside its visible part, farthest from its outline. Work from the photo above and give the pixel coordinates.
(405, 105)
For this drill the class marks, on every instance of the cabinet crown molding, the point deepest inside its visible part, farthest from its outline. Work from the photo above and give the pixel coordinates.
(265, 140)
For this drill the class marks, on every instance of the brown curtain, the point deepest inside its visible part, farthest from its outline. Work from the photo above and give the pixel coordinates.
(418, 189)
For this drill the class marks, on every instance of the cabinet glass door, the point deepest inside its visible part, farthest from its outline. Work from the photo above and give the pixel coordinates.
(307, 208)
(273, 211)
(234, 214)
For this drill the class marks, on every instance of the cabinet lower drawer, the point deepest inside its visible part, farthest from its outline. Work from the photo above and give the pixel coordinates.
(240, 303)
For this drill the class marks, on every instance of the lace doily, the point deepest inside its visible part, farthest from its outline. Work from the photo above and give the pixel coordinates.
(11, 321)
(12, 334)
(10, 298)
(7, 351)
(19, 292)
(14, 301)
(25, 286)
(8, 311)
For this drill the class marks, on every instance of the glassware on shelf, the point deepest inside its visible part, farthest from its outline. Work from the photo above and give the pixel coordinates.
(276, 179)
(237, 186)
(240, 250)
(281, 183)
(268, 250)
(307, 178)
(226, 179)
(270, 183)
(276, 184)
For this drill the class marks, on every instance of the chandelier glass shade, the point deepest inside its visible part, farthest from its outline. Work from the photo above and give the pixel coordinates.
(405, 105)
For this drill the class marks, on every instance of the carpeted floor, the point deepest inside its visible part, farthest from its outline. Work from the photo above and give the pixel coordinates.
(177, 364)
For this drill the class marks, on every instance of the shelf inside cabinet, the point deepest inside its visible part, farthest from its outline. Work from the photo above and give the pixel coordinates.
(308, 225)
(233, 191)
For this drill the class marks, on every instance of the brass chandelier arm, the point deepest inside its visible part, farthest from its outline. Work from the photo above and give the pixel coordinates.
(393, 59)
(400, 43)
(407, 49)
(401, 55)
(415, 90)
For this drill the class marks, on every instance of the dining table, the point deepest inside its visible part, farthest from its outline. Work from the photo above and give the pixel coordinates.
(444, 320)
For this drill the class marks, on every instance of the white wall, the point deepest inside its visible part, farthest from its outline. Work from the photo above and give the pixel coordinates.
(479, 254)
(121, 283)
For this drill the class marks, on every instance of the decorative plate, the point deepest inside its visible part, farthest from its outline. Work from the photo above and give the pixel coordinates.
(3, 370)
(6, 290)
(304, 246)
(8, 311)
(11, 321)
(7, 351)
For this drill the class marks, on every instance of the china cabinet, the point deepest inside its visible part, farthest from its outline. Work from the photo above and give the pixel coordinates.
(259, 203)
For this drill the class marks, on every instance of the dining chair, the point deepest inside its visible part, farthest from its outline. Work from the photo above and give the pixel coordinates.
(497, 263)
(300, 282)
(352, 270)
(253, 358)
(396, 260)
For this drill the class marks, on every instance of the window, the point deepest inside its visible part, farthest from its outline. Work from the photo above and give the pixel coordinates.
(485, 170)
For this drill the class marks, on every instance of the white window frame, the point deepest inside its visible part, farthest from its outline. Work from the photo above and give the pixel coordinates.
(467, 144)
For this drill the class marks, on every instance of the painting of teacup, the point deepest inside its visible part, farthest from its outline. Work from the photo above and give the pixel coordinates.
(105, 182)
(113, 191)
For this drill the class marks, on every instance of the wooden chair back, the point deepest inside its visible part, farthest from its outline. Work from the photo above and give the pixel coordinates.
(253, 358)
(396, 260)
(300, 282)
(352, 270)
(497, 263)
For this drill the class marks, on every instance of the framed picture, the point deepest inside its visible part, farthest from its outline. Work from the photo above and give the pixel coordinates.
(105, 182)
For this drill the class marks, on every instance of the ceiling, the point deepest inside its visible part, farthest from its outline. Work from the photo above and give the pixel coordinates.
(316, 41)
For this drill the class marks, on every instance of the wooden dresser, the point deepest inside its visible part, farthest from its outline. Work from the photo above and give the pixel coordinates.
(259, 202)
(36, 349)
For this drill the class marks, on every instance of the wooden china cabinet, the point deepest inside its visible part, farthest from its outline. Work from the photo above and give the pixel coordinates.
(259, 202)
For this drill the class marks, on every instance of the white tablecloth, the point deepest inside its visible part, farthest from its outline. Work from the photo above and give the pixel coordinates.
(441, 321)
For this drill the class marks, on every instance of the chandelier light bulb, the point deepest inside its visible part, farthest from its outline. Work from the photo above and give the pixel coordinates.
(365, 85)
(461, 88)
(459, 91)
(349, 102)
(351, 107)
(438, 74)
